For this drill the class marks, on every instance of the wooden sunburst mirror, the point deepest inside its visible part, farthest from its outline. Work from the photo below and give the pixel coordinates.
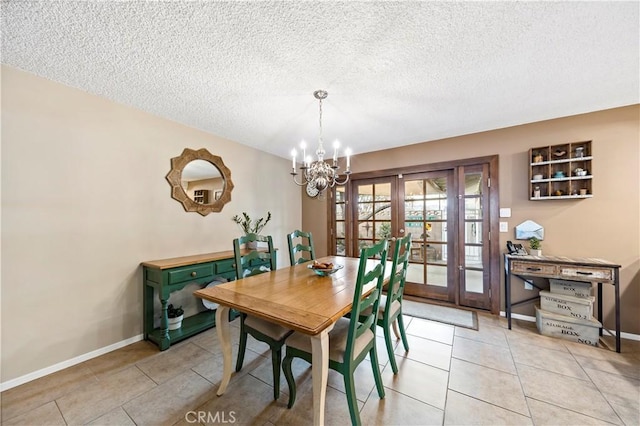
(200, 181)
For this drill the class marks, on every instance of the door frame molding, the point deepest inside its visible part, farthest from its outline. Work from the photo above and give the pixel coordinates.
(494, 206)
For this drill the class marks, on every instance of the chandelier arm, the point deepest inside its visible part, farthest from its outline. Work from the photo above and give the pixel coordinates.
(302, 183)
(346, 179)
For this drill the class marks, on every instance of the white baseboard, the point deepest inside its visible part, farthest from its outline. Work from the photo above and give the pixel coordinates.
(68, 363)
(623, 335)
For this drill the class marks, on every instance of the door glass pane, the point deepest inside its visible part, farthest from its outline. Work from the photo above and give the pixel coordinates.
(365, 193)
(413, 228)
(436, 253)
(473, 232)
(472, 183)
(473, 256)
(382, 191)
(339, 211)
(437, 275)
(414, 189)
(473, 208)
(436, 187)
(473, 281)
(436, 231)
(365, 229)
(365, 209)
(340, 247)
(415, 273)
(340, 198)
(382, 211)
(383, 230)
(340, 229)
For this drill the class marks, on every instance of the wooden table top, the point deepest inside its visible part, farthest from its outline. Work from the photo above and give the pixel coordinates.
(191, 260)
(294, 297)
(581, 261)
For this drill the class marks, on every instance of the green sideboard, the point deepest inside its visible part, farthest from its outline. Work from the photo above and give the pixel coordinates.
(168, 275)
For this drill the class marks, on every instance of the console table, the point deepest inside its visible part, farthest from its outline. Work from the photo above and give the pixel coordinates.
(559, 267)
(168, 275)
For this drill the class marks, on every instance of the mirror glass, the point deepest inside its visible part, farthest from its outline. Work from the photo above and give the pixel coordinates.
(200, 181)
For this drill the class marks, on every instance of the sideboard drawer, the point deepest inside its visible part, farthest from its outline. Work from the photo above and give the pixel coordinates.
(533, 268)
(224, 266)
(586, 273)
(189, 273)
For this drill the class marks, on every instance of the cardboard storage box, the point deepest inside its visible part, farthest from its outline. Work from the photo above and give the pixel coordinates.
(572, 288)
(576, 330)
(576, 307)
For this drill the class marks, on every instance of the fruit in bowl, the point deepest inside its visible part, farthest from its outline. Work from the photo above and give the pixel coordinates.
(321, 265)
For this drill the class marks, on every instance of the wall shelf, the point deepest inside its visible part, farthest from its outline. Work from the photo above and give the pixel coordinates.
(557, 168)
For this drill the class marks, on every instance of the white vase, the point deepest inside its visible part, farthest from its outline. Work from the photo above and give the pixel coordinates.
(533, 252)
(175, 323)
(252, 245)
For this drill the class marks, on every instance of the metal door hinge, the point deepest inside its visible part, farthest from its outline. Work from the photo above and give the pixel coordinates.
(488, 182)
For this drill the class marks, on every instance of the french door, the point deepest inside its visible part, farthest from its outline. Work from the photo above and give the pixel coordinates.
(448, 214)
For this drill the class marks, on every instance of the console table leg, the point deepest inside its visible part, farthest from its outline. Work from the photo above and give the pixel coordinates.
(164, 326)
(507, 293)
(600, 315)
(616, 285)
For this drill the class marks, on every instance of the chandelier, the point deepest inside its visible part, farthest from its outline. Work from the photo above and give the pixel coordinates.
(320, 175)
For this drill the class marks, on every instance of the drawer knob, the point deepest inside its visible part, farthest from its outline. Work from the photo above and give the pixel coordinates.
(194, 273)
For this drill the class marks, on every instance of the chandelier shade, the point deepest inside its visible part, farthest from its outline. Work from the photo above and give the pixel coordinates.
(319, 175)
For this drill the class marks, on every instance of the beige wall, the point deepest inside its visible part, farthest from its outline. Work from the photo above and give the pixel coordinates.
(606, 226)
(85, 200)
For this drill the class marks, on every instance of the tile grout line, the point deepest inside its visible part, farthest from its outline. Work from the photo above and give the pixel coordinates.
(595, 386)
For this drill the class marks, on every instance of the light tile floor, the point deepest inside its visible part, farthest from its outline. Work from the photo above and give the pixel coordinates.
(450, 376)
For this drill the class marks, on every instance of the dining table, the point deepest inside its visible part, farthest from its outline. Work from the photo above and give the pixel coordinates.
(295, 297)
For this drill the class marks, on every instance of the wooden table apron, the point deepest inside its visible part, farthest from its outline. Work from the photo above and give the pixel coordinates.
(295, 298)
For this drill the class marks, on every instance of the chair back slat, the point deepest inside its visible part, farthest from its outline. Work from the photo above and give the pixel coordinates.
(359, 324)
(299, 252)
(246, 264)
(398, 278)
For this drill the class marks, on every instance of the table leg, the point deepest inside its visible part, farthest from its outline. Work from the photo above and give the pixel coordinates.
(616, 284)
(507, 293)
(224, 336)
(320, 372)
(600, 314)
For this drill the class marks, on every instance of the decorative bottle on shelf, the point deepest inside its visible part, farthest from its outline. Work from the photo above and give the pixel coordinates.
(536, 192)
(579, 152)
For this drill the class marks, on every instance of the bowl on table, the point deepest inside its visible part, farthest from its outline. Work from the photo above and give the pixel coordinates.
(323, 270)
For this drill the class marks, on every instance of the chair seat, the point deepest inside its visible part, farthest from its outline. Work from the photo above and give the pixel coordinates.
(337, 340)
(275, 331)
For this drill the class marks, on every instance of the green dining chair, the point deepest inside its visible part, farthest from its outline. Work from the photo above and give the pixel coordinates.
(351, 339)
(306, 251)
(250, 263)
(390, 310)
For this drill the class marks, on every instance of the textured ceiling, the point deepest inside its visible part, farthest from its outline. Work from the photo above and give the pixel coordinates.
(397, 72)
